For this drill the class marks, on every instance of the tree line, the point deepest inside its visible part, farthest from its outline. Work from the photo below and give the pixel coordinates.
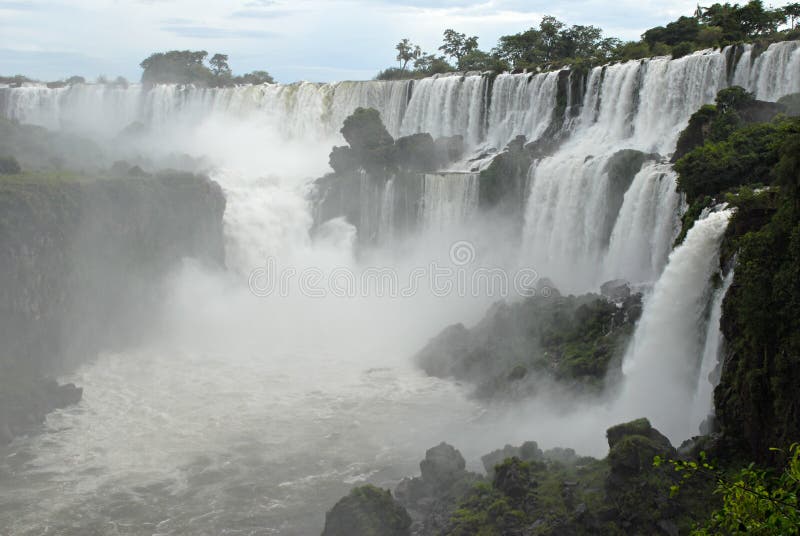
(554, 44)
(189, 67)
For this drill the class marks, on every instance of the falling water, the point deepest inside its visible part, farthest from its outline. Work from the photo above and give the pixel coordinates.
(709, 377)
(642, 237)
(448, 199)
(661, 366)
(522, 104)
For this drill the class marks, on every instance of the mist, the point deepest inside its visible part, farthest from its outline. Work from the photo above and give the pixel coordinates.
(251, 379)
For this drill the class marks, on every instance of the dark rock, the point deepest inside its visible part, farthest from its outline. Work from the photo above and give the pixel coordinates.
(417, 152)
(449, 149)
(367, 511)
(639, 427)
(432, 498)
(616, 290)
(442, 466)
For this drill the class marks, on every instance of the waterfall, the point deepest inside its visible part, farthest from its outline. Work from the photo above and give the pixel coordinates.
(448, 199)
(521, 104)
(387, 220)
(662, 363)
(709, 378)
(574, 196)
(447, 105)
(648, 221)
(774, 73)
(645, 103)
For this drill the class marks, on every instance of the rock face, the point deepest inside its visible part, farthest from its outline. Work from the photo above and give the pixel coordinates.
(431, 497)
(367, 511)
(358, 189)
(81, 267)
(571, 339)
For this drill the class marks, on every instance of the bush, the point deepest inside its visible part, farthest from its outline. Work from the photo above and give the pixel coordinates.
(682, 49)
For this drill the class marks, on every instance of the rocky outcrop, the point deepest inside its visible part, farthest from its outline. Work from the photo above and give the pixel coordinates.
(431, 497)
(81, 266)
(574, 340)
(377, 182)
(367, 511)
(504, 183)
(553, 492)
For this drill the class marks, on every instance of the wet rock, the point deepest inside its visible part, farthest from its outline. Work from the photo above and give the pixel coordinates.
(432, 497)
(442, 465)
(616, 290)
(367, 511)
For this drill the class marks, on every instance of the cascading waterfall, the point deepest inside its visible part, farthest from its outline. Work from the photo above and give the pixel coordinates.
(647, 223)
(773, 73)
(521, 105)
(447, 105)
(634, 105)
(709, 378)
(448, 199)
(662, 363)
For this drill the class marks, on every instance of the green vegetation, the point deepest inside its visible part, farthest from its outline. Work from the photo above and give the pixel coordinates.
(554, 44)
(754, 501)
(622, 494)
(736, 142)
(572, 339)
(188, 67)
(367, 511)
(740, 154)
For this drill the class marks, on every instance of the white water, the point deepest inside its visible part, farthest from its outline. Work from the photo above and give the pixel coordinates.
(521, 104)
(255, 414)
(448, 199)
(663, 361)
(642, 237)
(712, 354)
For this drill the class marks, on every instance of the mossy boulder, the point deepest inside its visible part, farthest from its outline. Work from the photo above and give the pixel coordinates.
(572, 339)
(367, 511)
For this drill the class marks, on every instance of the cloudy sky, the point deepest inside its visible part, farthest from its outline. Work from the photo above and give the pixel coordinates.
(319, 40)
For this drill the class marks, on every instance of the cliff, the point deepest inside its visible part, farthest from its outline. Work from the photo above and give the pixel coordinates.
(81, 264)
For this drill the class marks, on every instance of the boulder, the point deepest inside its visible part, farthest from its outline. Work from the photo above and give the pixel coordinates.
(443, 465)
(616, 290)
(367, 511)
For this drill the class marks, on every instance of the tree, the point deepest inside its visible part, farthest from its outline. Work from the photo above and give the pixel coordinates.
(792, 12)
(478, 60)
(406, 52)
(429, 64)
(753, 501)
(176, 67)
(683, 30)
(72, 80)
(255, 78)
(219, 65)
(550, 31)
(457, 45)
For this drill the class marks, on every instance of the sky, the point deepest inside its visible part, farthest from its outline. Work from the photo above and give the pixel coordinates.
(316, 40)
